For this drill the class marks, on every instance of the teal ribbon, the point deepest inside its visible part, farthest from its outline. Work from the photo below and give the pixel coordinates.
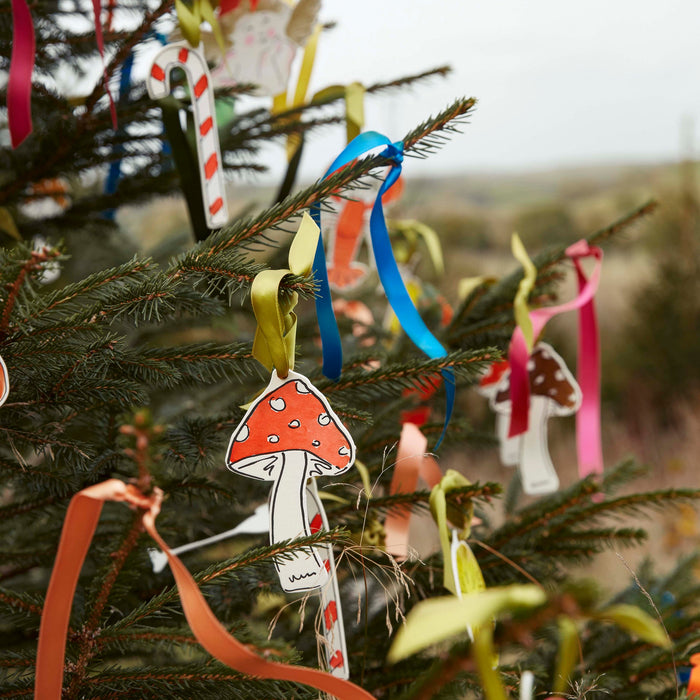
(388, 271)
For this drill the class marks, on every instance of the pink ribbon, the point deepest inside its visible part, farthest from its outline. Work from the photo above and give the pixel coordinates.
(19, 88)
(588, 440)
(411, 462)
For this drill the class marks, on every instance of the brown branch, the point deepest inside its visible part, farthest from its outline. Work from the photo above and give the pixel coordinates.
(37, 258)
(89, 632)
(19, 604)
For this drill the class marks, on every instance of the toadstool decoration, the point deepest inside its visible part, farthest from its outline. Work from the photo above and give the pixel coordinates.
(509, 447)
(290, 433)
(553, 392)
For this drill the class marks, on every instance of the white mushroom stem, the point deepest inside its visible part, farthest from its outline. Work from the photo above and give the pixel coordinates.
(536, 469)
(301, 570)
(509, 447)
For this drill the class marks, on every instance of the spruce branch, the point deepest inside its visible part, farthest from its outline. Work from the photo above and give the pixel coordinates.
(423, 138)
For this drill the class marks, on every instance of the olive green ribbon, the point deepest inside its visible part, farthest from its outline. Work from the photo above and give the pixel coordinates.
(275, 337)
(190, 20)
(468, 572)
(527, 284)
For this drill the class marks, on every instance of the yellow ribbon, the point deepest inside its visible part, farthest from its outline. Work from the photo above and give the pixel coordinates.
(412, 231)
(527, 284)
(467, 567)
(275, 337)
(468, 284)
(354, 110)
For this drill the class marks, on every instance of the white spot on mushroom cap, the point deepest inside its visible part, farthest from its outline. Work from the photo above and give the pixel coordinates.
(273, 438)
(277, 404)
(344, 451)
(315, 443)
(530, 365)
(301, 388)
(243, 433)
(559, 375)
(552, 391)
(540, 379)
(324, 419)
(294, 423)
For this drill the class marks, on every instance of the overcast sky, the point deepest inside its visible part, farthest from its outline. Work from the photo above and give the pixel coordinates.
(559, 82)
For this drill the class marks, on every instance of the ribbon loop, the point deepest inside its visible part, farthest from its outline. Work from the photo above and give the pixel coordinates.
(78, 529)
(387, 268)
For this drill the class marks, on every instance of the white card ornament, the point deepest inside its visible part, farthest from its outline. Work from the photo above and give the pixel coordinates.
(331, 610)
(256, 524)
(288, 435)
(263, 43)
(211, 174)
(508, 447)
(4, 382)
(527, 685)
(553, 392)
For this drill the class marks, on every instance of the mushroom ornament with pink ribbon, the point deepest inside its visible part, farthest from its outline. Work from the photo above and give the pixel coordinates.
(553, 392)
(289, 434)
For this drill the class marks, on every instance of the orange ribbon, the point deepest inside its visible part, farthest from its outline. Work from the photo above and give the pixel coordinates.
(78, 529)
(411, 462)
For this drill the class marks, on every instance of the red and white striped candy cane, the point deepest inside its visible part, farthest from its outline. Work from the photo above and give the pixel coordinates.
(333, 629)
(181, 55)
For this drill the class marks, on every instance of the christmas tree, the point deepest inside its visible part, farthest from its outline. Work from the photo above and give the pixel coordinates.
(135, 367)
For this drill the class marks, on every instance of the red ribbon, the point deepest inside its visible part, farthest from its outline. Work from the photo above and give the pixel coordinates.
(19, 88)
(230, 5)
(78, 529)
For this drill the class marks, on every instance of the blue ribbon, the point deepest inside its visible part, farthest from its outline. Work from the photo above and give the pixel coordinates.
(388, 270)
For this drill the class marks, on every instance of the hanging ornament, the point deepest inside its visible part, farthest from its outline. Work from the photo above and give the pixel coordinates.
(553, 392)
(181, 55)
(331, 610)
(4, 382)
(520, 382)
(346, 227)
(288, 435)
(261, 43)
(509, 448)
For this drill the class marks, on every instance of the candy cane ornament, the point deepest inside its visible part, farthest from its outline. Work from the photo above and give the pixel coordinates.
(181, 55)
(333, 628)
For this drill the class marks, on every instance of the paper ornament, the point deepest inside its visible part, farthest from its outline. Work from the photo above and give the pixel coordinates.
(553, 392)
(4, 382)
(347, 226)
(181, 55)
(331, 609)
(263, 43)
(508, 448)
(288, 435)
(257, 523)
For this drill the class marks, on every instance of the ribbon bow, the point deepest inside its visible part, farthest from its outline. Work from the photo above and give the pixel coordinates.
(388, 270)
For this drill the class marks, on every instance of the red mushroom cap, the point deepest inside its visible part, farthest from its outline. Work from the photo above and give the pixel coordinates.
(290, 415)
(494, 373)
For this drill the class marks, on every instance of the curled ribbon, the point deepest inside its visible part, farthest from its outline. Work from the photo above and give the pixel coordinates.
(19, 88)
(275, 337)
(411, 462)
(588, 439)
(388, 270)
(78, 529)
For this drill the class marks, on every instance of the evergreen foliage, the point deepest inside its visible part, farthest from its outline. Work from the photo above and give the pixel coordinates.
(125, 345)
